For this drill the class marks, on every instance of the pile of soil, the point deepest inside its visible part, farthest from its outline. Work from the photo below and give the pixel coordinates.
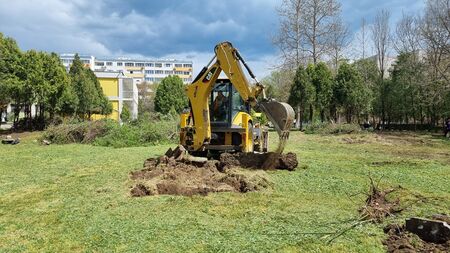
(178, 173)
(377, 206)
(400, 240)
(268, 161)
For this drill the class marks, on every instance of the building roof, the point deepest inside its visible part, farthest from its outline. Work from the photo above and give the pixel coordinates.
(123, 59)
(110, 74)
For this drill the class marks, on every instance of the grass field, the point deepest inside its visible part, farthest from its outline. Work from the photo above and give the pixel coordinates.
(75, 198)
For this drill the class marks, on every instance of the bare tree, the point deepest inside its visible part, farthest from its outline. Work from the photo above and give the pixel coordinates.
(338, 41)
(435, 27)
(290, 36)
(319, 22)
(381, 38)
(407, 35)
(306, 28)
(363, 37)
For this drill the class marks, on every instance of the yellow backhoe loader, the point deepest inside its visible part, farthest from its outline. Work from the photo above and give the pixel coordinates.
(218, 118)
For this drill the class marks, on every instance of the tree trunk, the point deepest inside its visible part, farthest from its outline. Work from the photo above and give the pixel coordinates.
(298, 122)
(311, 113)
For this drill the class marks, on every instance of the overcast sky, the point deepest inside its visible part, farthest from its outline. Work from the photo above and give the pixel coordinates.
(183, 29)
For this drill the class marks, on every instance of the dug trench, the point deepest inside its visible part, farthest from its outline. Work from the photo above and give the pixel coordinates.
(178, 173)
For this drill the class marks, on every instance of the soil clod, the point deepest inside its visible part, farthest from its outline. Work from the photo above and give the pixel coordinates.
(178, 173)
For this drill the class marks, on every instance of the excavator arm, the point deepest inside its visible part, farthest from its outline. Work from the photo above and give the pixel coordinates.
(228, 60)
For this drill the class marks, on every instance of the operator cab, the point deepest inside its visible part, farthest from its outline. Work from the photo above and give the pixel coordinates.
(224, 104)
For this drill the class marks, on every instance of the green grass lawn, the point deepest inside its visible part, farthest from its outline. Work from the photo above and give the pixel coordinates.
(75, 198)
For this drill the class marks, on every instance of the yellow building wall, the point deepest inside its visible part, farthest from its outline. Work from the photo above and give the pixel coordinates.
(114, 115)
(110, 86)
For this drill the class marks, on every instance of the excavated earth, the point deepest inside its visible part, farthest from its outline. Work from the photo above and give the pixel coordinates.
(401, 241)
(177, 173)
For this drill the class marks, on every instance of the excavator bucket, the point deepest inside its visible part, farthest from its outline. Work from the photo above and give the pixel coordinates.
(282, 116)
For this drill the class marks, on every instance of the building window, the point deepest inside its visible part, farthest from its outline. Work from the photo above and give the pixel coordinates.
(186, 73)
(149, 72)
(85, 61)
(159, 72)
(129, 64)
(158, 65)
(178, 72)
(149, 64)
(139, 64)
(99, 63)
(168, 65)
(149, 79)
(108, 63)
(168, 72)
(119, 64)
(187, 65)
(178, 65)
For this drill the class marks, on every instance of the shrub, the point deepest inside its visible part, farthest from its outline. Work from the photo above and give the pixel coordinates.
(78, 132)
(332, 128)
(139, 133)
(110, 133)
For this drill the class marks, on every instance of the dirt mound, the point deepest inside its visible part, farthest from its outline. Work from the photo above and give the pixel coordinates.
(259, 161)
(399, 240)
(178, 173)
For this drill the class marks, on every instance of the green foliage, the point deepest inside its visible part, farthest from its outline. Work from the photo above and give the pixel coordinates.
(278, 84)
(125, 115)
(91, 99)
(302, 91)
(332, 128)
(349, 92)
(262, 119)
(170, 95)
(140, 133)
(78, 132)
(322, 80)
(110, 133)
(404, 96)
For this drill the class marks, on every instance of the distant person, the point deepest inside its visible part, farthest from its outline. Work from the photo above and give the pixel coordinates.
(447, 128)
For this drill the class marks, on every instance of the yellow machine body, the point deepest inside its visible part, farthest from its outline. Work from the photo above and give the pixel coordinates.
(239, 132)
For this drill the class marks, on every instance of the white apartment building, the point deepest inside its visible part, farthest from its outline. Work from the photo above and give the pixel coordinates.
(140, 70)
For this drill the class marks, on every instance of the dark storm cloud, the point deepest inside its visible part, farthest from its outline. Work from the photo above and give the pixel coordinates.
(179, 28)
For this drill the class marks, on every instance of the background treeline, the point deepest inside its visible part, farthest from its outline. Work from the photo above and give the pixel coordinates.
(325, 78)
(39, 78)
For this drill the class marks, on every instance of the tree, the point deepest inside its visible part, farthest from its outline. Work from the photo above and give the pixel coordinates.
(146, 93)
(306, 29)
(89, 93)
(125, 115)
(407, 98)
(278, 84)
(338, 41)
(350, 92)
(290, 36)
(301, 94)
(322, 81)
(11, 75)
(170, 95)
(407, 35)
(381, 38)
(368, 70)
